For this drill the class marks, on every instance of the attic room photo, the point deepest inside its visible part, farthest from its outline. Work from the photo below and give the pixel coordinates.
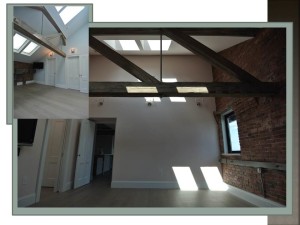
(50, 46)
(174, 121)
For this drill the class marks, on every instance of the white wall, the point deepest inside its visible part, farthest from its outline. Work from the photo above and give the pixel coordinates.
(28, 166)
(149, 141)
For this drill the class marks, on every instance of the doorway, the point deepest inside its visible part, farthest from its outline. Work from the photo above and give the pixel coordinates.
(74, 73)
(51, 71)
(104, 150)
(54, 152)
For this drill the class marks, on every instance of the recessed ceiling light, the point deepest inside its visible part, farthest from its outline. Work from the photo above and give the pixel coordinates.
(129, 45)
(155, 45)
(141, 90)
(192, 89)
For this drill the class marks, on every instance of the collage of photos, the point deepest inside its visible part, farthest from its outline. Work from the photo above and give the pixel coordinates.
(148, 117)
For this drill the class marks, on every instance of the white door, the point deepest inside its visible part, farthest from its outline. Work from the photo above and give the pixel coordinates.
(74, 73)
(84, 154)
(54, 152)
(51, 71)
(84, 74)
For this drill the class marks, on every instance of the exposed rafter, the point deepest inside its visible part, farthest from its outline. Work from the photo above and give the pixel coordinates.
(52, 21)
(183, 89)
(30, 33)
(121, 61)
(209, 55)
(241, 32)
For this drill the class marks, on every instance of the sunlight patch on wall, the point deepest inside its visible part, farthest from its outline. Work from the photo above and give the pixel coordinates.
(185, 178)
(213, 179)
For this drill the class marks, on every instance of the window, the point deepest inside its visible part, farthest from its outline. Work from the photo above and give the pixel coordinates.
(67, 13)
(230, 133)
(23, 45)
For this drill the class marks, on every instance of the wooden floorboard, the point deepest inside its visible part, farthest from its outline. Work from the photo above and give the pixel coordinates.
(47, 102)
(99, 194)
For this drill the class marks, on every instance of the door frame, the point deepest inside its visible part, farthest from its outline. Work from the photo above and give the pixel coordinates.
(42, 163)
(67, 70)
(47, 71)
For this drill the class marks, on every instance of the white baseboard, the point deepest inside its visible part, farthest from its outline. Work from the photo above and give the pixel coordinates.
(61, 86)
(67, 186)
(26, 200)
(144, 184)
(40, 82)
(30, 82)
(252, 198)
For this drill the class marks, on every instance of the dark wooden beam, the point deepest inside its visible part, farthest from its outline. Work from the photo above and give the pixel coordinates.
(209, 55)
(121, 61)
(240, 32)
(28, 32)
(51, 20)
(202, 89)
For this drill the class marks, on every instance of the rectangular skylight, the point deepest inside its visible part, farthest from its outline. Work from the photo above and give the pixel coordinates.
(30, 49)
(111, 43)
(177, 99)
(192, 89)
(169, 80)
(19, 41)
(155, 45)
(129, 45)
(152, 99)
(141, 90)
(58, 7)
(69, 12)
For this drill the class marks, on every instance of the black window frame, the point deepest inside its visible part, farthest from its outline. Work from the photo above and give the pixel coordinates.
(227, 133)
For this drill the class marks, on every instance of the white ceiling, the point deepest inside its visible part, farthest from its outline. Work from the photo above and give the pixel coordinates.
(216, 43)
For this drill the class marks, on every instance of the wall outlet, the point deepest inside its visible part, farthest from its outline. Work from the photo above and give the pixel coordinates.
(258, 170)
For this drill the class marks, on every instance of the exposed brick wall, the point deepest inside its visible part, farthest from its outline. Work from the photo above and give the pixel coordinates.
(261, 121)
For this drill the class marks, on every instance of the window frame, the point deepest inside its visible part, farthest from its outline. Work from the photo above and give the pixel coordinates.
(226, 133)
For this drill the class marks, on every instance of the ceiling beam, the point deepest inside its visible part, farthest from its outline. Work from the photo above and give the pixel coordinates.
(183, 89)
(209, 55)
(240, 32)
(28, 32)
(121, 61)
(52, 21)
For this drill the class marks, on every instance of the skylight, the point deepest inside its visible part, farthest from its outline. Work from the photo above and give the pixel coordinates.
(30, 49)
(155, 45)
(129, 45)
(69, 12)
(58, 8)
(19, 41)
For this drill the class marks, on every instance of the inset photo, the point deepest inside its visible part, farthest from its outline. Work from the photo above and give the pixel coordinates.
(50, 61)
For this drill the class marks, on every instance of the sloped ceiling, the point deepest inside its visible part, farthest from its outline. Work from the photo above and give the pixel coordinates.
(35, 19)
(216, 43)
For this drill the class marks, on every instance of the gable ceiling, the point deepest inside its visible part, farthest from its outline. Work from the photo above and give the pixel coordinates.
(36, 20)
(216, 43)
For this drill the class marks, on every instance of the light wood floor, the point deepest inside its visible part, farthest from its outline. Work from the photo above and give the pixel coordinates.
(47, 102)
(99, 194)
